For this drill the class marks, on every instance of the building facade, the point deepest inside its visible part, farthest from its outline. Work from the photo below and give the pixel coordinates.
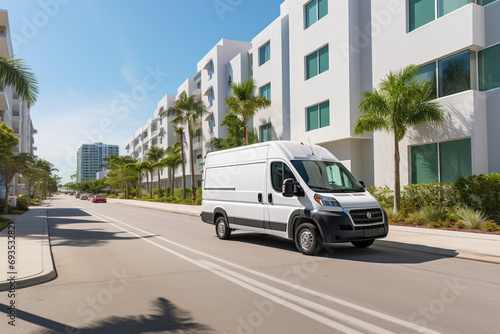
(317, 58)
(90, 160)
(14, 111)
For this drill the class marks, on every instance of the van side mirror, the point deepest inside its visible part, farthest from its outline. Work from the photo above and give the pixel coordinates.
(362, 183)
(291, 188)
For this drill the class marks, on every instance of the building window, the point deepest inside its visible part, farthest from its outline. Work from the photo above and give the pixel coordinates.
(489, 68)
(485, 2)
(422, 12)
(265, 132)
(317, 62)
(211, 122)
(265, 91)
(210, 70)
(264, 53)
(211, 98)
(453, 74)
(318, 116)
(314, 11)
(441, 162)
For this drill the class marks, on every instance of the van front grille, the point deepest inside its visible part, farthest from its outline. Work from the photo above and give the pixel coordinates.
(366, 216)
(368, 227)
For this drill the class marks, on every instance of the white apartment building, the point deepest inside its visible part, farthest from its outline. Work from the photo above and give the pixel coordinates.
(314, 61)
(14, 111)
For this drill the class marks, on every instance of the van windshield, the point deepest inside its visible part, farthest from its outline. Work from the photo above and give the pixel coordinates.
(327, 176)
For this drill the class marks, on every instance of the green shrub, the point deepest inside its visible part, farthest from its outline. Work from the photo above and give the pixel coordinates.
(408, 207)
(480, 192)
(21, 207)
(384, 195)
(433, 213)
(4, 222)
(431, 194)
(23, 200)
(472, 218)
(490, 226)
(198, 200)
(460, 224)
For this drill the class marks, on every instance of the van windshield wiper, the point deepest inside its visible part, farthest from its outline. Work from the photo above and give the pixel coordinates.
(321, 189)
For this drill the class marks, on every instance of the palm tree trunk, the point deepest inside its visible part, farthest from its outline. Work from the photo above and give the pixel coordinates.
(191, 153)
(183, 169)
(140, 184)
(7, 186)
(397, 193)
(159, 185)
(151, 186)
(172, 181)
(245, 130)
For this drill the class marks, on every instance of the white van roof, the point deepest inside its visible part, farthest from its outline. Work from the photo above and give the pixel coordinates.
(287, 150)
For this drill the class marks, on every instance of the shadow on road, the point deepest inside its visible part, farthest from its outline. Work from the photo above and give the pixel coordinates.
(381, 251)
(166, 318)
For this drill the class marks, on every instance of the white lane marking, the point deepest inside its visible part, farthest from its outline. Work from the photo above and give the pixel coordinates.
(317, 317)
(397, 321)
(320, 309)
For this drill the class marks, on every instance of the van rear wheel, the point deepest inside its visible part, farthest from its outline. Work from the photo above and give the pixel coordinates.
(363, 244)
(307, 239)
(221, 229)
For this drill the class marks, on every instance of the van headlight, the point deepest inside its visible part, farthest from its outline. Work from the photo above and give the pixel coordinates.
(326, 201)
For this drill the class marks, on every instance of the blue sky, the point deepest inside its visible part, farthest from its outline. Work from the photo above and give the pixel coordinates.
(89, 55)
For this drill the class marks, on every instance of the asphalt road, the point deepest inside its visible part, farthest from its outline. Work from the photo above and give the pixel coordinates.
(125, 269)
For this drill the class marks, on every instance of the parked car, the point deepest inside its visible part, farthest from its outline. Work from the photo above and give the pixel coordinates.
(84, 197)
(77, 196)
(99, 199)
(71, 194)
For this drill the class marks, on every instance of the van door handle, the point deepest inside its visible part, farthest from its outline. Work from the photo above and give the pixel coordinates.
(259, 197)
(270, 198)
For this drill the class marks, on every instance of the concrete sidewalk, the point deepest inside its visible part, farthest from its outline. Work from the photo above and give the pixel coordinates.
(34, 264)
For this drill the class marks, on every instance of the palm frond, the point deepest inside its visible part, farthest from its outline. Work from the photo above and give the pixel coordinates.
(15, 73)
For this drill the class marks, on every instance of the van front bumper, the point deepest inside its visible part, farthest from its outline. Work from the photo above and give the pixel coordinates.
(338, 227)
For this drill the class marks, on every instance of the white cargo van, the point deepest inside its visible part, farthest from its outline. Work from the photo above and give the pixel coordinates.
(292, 190)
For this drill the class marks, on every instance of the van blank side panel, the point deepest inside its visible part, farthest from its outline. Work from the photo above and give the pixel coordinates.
(250, 182)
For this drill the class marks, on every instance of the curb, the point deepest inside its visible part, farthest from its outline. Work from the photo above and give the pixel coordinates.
(48, 272)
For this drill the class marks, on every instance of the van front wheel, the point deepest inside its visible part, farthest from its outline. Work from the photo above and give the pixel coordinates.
(307, 239)
(221, 229)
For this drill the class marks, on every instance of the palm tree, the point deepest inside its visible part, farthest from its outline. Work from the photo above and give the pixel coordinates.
(179, 131)
(172, 160)
(401, 103)
(136, 167)
(154, 156)
(188, 110)
(244, 102)
(145, 165)
(118, 163)
(15, 73)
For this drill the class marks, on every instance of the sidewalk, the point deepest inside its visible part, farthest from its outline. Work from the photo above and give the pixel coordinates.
(33, 257)
(34, 264)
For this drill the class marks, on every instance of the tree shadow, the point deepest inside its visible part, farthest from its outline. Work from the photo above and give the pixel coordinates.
(66, 212)
(166, 318)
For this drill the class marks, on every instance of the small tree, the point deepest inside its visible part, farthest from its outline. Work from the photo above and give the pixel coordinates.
(401, 102)
(9, 166)
(154, 156)
(172, 160)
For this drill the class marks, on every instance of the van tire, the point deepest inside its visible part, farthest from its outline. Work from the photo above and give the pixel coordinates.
(307, 239)
(363, 244)
(221, 229)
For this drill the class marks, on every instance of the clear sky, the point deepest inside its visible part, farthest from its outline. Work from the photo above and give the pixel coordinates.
(89, 55)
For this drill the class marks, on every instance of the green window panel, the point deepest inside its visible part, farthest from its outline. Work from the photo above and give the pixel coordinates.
(421, 12)
(311, 13)
(264, 53)
(454, 74)
(265, 91)
(312, 118)
(323, 59)
(424, 163)
(455, 159)
(312, 65)
(448, 6)
(322, 8)
(265, 132)
(428, 72)
(317, 62)
(489, 68)
(485, 2)
(324, 114)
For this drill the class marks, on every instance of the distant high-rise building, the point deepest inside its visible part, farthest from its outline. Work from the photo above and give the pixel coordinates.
(90, 159)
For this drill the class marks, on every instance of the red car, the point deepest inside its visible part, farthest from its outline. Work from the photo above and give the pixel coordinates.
(99, 199)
